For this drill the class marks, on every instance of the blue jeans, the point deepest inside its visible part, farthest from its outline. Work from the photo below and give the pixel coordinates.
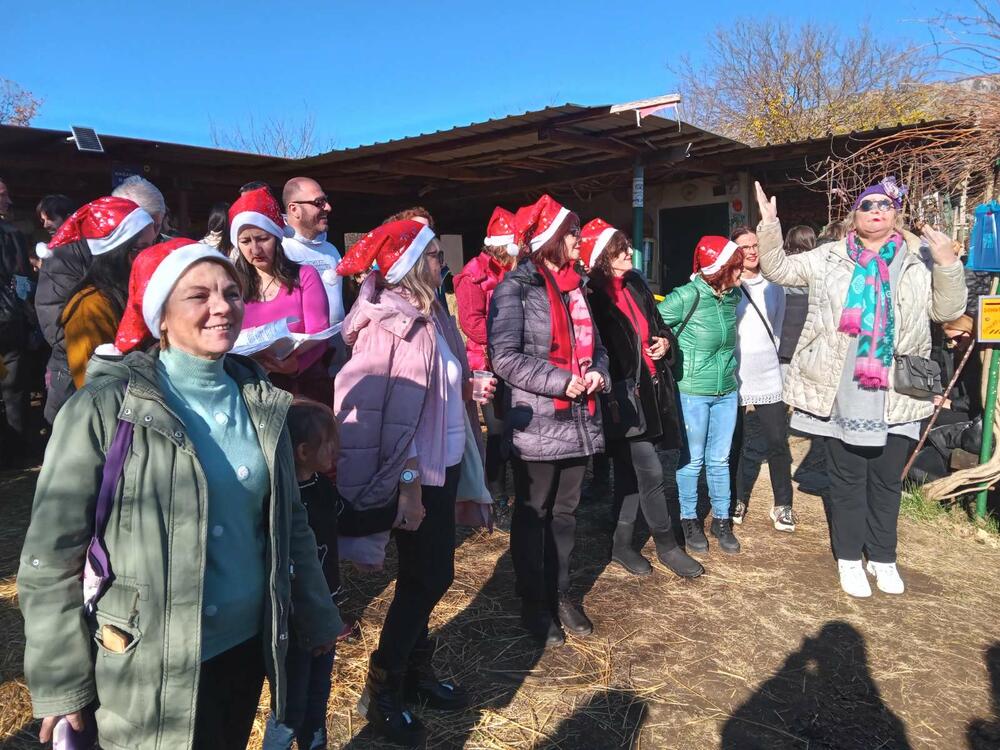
(709, 422)
(308, 679)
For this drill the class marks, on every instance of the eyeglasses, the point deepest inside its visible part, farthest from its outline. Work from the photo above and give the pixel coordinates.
(883, 206)
(320, 203)
(744, 248)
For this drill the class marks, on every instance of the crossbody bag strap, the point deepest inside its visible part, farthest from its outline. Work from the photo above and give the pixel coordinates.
(687, 318)
(763, 319)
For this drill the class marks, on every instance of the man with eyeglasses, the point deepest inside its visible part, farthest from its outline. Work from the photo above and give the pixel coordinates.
(308, 213)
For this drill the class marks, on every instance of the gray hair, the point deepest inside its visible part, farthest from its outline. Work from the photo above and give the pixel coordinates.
(143, 192)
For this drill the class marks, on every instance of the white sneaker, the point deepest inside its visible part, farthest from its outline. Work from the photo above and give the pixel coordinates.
(853, 579)
(886, 577)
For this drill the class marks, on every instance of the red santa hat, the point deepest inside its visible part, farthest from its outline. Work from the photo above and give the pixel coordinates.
(500, 231)
(106, 223)
(541, 220)
(712, 253)
(396, 247)
(257, 208)
(155, 272)
(594, 237)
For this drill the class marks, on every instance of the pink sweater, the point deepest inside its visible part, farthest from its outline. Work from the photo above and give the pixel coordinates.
(307, 302)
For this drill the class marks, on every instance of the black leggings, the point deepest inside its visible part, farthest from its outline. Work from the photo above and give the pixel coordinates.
(228, 694)
(426, 571)
(773, 419)
(543, 528)
(865, 489)
(496, 464)
(639, 484)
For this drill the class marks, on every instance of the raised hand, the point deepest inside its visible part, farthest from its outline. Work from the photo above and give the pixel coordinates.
(941, 245)
(768, 206)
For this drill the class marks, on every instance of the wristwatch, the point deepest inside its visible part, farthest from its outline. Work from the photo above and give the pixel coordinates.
(409, 476)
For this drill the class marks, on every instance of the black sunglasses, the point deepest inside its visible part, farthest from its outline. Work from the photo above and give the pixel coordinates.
(882, 205)
(320, 202)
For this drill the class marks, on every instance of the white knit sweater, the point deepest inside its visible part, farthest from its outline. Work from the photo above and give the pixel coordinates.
(759, 372)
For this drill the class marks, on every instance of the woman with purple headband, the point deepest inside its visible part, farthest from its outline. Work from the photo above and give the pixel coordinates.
(872, 296)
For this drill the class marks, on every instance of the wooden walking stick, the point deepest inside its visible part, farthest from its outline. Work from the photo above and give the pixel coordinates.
(937, 409)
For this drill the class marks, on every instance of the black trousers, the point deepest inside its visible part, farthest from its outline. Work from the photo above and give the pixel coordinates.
(496, 464)
(14, 394)
(773, 419)
(865, 490)
(228, 694)
(426, 570)
(639, 484)
(543, 527)
(60, 388)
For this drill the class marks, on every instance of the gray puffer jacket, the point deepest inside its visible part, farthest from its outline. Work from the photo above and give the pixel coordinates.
(520, 338)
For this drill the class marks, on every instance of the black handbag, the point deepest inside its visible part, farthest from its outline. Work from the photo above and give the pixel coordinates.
(917, 377)
(623, 406)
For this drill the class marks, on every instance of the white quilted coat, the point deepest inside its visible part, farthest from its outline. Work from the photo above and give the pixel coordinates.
(925, 292)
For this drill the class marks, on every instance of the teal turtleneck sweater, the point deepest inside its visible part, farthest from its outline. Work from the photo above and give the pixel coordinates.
(208, 401)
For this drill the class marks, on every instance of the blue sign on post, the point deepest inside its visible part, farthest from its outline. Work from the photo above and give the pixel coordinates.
(984, 249)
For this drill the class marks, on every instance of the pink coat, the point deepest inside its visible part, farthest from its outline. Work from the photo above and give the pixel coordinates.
(473, 289)
(389, 396)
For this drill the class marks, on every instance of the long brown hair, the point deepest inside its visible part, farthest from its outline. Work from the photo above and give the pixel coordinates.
(617, 245)
(284, 271)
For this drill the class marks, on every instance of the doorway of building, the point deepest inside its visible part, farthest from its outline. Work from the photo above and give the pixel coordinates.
(680, 230)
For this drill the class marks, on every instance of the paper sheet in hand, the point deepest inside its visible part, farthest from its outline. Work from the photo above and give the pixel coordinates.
(276, 339)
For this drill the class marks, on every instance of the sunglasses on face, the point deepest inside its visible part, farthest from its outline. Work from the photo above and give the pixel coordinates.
(882, 205)
(320, 203)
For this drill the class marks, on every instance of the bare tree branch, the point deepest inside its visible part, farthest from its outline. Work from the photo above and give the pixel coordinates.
(274, 136)
(18, 106)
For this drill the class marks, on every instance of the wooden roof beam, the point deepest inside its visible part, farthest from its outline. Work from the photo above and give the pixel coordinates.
(589, 142)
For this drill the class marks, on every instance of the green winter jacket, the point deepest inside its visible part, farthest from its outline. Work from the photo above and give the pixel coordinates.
(156, 539)
(707, 344)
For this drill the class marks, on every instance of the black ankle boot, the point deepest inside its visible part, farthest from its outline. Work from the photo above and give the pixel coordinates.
(694, 537)
(422, 684)
(673, 557)
(572, 617)
(537, 620)
(381, 703)
(722, 529)
(624, 553)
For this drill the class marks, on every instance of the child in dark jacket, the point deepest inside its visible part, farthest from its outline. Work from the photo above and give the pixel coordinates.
(313, 430)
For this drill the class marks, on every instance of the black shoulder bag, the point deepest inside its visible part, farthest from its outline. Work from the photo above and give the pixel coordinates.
(624, 405)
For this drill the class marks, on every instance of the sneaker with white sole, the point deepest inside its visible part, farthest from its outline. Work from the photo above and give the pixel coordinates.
(886, 577)
(853, 579)
(783, 517)
(739, 512)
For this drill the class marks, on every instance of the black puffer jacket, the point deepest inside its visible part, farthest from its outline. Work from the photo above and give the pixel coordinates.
(659, 399)
(59, 276)
(520, 339)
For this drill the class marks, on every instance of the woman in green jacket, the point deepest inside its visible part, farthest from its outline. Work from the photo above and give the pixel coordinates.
(205, 528)
(702, 314)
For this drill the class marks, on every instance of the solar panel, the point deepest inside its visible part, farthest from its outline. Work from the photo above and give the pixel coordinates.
(87, 140)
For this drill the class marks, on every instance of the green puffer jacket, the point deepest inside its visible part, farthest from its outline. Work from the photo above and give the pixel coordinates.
(156, 539)
(707, 344)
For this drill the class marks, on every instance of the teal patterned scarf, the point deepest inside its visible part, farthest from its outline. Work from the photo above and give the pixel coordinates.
(868, 312)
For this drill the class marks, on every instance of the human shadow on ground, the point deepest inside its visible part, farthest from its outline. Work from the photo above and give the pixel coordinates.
(822, 697)
(485, 649)
(610, 718)
(984, 734)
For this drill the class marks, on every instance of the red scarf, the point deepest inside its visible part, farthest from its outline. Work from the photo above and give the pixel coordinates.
(625, 302)
(572, 330)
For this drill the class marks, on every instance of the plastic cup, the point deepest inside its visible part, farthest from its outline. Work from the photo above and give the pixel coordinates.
(480, 379)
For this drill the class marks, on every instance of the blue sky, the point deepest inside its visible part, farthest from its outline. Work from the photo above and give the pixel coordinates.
(372, 70)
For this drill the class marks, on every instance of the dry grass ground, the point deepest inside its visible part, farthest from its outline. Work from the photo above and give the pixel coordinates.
(763, 651)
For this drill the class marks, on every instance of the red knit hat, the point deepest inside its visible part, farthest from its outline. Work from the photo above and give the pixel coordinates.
(712, 253)
(105, 224)
(500, 230)
(396, 247)
(594, 237)
(257, 208)
(155, 272)
(541, 220)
